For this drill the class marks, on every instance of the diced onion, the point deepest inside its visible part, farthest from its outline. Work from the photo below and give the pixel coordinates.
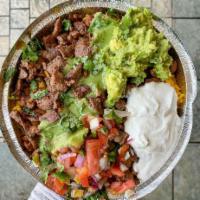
(123, 167)
(130, 140)
(127, 155)
(97, 177)
(65, 156)
(79, 161)
(94, 123)
(103, 163)
(95, 184)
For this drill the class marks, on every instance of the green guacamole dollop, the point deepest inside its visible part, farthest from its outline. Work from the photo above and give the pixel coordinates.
(128, 47)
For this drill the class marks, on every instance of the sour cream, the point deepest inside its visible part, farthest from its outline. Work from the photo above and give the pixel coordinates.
(153, 125)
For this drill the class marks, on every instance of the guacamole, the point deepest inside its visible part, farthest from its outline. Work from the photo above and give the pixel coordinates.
(129, 47)
(63, 133)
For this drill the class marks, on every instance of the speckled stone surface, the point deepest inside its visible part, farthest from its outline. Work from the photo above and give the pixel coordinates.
(15, 182)
(189, 31)
(187, 176)
(15, 15)
(196, 125)
(163, 192)
(186, 8)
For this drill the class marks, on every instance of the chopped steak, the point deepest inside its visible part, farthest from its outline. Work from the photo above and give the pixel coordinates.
(96, 103)
(121, 104)
(55, 65)
(49, 41)
(75, 74)
(81, 91)
(82, 48)
(33, 130)
(19, 87)
(18, 118)
(74, 34)
(29, 143)
(62, 39)
(23, 73)
(50, 54)
(50, 116)
(66, 51)
(46, 103)
(57, 27)
(57, 82)
(31, 69)
(80, 27)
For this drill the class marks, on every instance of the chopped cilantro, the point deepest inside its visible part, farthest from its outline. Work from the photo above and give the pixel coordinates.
(31, 51)
(69, 189)
(104, 130)
(114, 116)
(61, 176)
(46, 165)
(87, 63)
(9, 73)
(39, 94)
(70, 122)
(28, 111)
(66, 24)
(101, 194)
(33, 86)
(93, 133)
(112, 155)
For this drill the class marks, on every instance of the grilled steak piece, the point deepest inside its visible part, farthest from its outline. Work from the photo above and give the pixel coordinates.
(96, 103)
(82, 48)
(81, 91)
(50, 116)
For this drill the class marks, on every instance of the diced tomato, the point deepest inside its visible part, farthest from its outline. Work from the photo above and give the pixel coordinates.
(109, 123)
(123, 149)
(115, 186)
(113, 133)
(121, 187)
(85, 121)
(56, 185)
(116, 171)
(82, 176)
(106, 174)
(122, 152)
(93, 155)
(68, 162)
(103, 139)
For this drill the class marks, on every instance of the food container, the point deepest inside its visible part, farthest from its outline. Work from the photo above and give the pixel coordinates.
(187, 78)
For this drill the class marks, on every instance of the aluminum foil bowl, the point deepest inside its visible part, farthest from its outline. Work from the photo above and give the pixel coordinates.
(187, 79)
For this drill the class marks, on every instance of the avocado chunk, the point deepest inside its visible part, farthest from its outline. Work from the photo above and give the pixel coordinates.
(65, 139)
(115, 83)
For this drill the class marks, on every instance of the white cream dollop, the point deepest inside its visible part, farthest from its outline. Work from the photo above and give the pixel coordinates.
(153, 125)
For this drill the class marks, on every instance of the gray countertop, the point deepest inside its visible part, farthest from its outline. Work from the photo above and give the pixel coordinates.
(184, 17)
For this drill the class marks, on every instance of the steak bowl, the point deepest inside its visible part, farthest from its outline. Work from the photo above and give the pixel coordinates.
(186, 78)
